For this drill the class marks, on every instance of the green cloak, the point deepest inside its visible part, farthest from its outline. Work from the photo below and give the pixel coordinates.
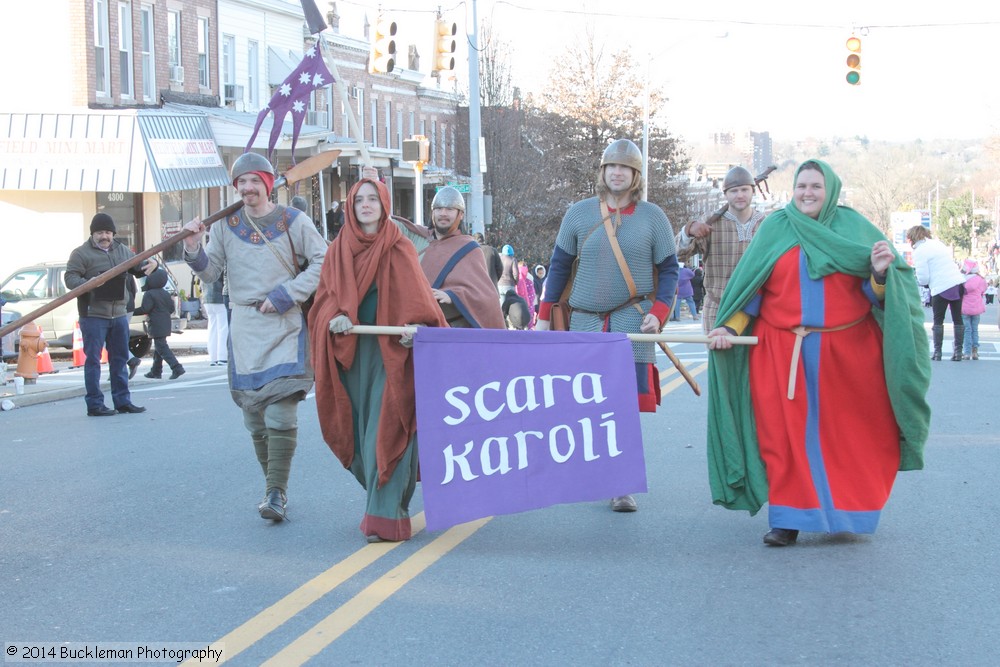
(840, 241)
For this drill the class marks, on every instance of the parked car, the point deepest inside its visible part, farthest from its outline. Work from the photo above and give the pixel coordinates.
(32, 287)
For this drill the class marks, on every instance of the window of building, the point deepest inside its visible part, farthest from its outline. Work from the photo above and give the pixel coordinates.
(374, 123)
(228, 59)
(174, 40)
(176, 208)
(203, 42)
(102, 58)
(434, 144)
(125, 71)
(253, 77)
(412, 120)
(148, 64)
(361, 108)
(399, 129)
(444, 145)
(388, 125)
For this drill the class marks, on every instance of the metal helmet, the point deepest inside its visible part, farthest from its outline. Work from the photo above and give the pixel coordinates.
(299, 202)
(250, 162)
(623, 151)
(736, 177)
(448, 197)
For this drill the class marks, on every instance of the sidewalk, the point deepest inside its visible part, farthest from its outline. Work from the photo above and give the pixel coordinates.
(67, 382)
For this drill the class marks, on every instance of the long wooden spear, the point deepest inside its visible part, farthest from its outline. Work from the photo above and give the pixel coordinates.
(302, 170)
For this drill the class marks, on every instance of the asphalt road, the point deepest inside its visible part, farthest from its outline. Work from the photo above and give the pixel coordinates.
(143, 529)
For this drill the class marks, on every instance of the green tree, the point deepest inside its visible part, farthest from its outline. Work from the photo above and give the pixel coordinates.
(956, 226)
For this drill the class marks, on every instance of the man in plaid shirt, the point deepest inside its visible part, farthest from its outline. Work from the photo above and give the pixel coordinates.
(722, 243)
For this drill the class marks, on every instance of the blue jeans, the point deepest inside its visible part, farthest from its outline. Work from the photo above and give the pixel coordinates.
(971, 332)
(99, 333)
(676, 315)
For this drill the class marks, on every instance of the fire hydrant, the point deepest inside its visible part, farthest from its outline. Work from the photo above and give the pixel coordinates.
(31, 344)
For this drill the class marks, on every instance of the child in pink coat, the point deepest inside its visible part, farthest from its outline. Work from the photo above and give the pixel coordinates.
(973, 305)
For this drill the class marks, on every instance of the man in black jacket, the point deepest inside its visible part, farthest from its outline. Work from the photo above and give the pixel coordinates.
(103, 314)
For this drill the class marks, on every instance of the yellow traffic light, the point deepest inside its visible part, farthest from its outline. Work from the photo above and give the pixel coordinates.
(444, 46)
(382, 58)
(854, 60)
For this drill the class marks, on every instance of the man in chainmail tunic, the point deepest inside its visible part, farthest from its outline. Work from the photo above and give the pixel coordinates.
(262, 248)
(721, 244)
(601, 297)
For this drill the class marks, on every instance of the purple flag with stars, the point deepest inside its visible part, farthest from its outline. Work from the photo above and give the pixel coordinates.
(293, 96)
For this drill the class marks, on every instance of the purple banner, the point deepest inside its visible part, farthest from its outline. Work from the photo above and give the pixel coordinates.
(509, 421)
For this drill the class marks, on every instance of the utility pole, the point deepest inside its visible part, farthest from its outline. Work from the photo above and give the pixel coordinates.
(475, 211)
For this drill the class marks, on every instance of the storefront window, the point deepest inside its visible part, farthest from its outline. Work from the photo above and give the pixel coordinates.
(176, 208)
(125, 209)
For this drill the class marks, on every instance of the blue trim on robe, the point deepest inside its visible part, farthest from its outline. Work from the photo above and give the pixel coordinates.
(824, 521)
(280, 299)
(464, 310)
(452, 262)
(813, 303)
(254, 381)
(866, 288)
(199, 263)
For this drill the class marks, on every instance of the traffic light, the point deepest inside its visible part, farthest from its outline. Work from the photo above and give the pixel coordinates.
(444, 46)
(382, 58)
(854, 60)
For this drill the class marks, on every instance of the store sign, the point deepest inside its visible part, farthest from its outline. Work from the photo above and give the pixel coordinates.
(184, 153)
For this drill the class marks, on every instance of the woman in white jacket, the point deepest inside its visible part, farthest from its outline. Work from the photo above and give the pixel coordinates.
(935, 268)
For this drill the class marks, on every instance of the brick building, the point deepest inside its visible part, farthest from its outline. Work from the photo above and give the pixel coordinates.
(138, 108)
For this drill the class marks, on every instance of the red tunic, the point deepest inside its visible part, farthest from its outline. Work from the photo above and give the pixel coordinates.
(832, 451)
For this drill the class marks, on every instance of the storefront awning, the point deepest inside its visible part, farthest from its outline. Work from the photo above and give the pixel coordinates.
(232, 129)
(140, 150)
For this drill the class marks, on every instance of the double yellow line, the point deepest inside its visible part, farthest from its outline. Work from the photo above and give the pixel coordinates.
(328, 630)
(351, 612)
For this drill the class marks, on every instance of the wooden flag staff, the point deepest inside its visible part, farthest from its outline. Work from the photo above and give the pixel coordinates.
(638, 337)
(660, 339)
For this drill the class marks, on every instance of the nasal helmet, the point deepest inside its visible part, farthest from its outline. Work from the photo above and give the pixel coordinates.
(623, 151)
(448, 197)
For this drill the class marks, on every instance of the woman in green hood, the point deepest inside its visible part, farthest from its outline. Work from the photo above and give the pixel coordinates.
(818, 416)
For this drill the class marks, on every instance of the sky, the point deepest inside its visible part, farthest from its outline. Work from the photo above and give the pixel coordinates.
(928, 68)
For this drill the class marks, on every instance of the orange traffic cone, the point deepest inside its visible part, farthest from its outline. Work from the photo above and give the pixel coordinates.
(44, 359)
(79, 358)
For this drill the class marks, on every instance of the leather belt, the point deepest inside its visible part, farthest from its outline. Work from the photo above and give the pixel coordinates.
(800, 333)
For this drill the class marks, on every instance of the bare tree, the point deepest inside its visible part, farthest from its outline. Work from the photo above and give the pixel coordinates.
(543, 155)
(495, 87)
